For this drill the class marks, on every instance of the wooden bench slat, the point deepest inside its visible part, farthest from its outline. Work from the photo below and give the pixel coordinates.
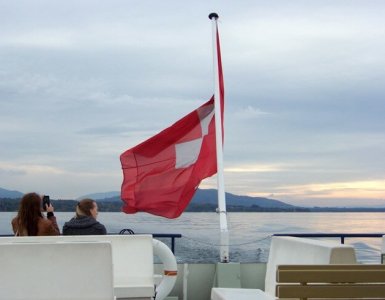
(331, 291)
(333, 267)
(331, 281)
(314, 276)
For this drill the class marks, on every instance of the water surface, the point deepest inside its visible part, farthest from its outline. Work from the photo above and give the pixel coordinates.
(250, 233)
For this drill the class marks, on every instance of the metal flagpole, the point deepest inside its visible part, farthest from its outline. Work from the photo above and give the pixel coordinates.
(224, 233)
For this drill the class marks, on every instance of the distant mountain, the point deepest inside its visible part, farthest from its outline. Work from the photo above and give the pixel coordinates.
(101, 196)
(209, 197)
(10, 194)
(203, 200)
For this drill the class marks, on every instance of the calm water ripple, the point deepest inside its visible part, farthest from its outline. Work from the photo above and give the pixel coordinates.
(250, 233)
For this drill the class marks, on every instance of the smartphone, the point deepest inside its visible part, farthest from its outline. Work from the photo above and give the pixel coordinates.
(46, 202)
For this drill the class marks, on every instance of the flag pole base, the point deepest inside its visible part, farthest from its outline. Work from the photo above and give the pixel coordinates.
(228, 275)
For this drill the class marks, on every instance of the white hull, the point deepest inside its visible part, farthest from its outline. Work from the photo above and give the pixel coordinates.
(195, 281)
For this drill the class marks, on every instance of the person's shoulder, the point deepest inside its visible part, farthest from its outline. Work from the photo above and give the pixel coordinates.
(66, 230)
(99, 226)
(70, 221)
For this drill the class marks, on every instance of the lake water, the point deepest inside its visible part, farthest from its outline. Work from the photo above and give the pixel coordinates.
(250, 233)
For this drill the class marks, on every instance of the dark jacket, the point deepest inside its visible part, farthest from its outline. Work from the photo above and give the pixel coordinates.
(83, 225)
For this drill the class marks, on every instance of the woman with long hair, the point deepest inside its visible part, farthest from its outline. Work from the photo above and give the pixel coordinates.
(84, 222)
(30, 219)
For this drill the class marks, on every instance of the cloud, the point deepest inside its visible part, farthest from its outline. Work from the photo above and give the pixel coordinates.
(80, 82)
(253, 168)
(30, 169)
(11, 172)
(248, 112)
(353, 189)
(42, 39)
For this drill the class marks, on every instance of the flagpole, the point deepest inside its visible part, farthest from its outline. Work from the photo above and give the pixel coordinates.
(224, 233)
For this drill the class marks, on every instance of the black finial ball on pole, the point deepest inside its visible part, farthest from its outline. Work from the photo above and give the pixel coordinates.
(213, 15)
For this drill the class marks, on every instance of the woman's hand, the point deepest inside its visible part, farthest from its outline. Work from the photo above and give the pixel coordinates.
(49, 208)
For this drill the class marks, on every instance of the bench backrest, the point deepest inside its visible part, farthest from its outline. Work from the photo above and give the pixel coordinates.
(132, 257)
(331, 281)
(293, 250)
(71, 271)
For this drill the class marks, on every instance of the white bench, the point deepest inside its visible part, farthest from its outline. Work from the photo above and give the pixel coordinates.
(132, 257)
(71, 271)
(291, 251)
(239, 294)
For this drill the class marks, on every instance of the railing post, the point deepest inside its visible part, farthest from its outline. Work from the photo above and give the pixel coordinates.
(171, 236)
(173, 244)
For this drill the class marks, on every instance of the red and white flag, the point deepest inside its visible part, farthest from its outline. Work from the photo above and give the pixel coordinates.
(162, 174)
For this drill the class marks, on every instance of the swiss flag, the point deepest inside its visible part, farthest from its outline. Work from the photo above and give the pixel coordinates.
(162, 174)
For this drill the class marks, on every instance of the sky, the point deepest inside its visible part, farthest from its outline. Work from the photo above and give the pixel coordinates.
(83, 81)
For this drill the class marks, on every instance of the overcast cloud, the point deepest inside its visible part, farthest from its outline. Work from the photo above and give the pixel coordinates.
(83, 81)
